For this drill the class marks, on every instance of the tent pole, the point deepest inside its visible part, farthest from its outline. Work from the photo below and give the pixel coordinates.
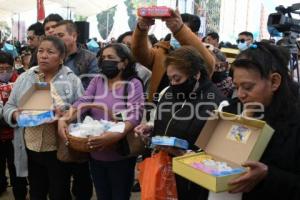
(19, 26)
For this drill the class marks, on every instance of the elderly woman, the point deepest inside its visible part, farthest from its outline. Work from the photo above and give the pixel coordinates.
(183, 107)
(116, 90)
(35, 147)
(261, 77)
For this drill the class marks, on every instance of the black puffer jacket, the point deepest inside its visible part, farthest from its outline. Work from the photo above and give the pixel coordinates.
(186, 121)
(282, 156)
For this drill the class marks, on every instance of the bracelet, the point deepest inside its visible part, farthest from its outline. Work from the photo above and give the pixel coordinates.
(178, 29)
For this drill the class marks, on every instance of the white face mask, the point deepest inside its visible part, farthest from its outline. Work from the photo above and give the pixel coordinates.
(174, 43)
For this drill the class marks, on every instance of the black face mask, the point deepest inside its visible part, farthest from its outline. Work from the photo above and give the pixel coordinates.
(183, 90)
(109, 68)
(219, 76)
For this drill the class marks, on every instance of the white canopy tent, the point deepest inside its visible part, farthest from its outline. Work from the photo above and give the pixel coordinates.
(13, 11)
(80, 7)
(87, 7)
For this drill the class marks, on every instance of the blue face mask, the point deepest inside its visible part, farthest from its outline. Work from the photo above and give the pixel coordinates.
(5, 77)
(242, 46)
(174, 43)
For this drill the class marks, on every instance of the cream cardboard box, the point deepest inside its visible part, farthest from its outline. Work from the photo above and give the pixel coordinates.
(230, 54)
(36, 105)
(230, 138)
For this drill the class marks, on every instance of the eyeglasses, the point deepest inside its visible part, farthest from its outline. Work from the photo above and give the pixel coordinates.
(30, 37)
(240, 40)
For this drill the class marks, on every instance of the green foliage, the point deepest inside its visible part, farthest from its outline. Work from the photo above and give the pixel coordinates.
(106, 20)
(131, 12)
(138, 3)
(210, 9)
(5, 30)
(80, 18)
(213, 15)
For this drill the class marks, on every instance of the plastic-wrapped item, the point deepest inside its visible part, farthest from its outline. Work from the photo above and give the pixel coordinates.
(91, 127)
(34, 118)
(169, 141)
(208, 165)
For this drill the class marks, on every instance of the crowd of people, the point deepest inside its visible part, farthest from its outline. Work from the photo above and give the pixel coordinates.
(184, 77)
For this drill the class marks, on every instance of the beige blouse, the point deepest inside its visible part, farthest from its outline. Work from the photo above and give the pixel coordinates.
(44, 137)
(41, 138)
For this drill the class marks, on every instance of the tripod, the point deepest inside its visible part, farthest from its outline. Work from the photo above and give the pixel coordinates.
(290, 39)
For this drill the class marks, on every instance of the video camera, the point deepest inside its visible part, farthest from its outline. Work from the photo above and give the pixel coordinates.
(283, 23)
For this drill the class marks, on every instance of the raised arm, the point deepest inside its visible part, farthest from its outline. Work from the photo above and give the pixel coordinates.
(141, 49)
(186, 37)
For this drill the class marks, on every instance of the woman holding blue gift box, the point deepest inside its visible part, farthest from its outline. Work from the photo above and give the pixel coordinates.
(262, 78)
(36, 147)
(184, 107)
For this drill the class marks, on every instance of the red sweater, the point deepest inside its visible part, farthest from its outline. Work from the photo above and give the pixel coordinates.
(6, 132)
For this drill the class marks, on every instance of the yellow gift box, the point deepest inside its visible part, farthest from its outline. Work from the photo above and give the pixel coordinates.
(227, 138)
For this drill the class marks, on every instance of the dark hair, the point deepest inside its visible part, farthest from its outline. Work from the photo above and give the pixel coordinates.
(152, 39)
(193, 21)
(58, 44)
(246, 33)
(125, 54)
(70, 26)
(188, 60)
(266, 59)
(37, 28)
(52, 18)
(122, 36)
(6, 58)
(214, 36)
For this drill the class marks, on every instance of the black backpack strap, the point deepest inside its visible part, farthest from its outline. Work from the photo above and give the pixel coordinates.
(125, 94)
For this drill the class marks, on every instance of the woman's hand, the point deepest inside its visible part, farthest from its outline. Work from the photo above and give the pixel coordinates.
(174, 23)
(245, 183)
(143, 130)
(144, 23)
(16, 115)
(103, 141)
(62, 130)
(58, 113)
